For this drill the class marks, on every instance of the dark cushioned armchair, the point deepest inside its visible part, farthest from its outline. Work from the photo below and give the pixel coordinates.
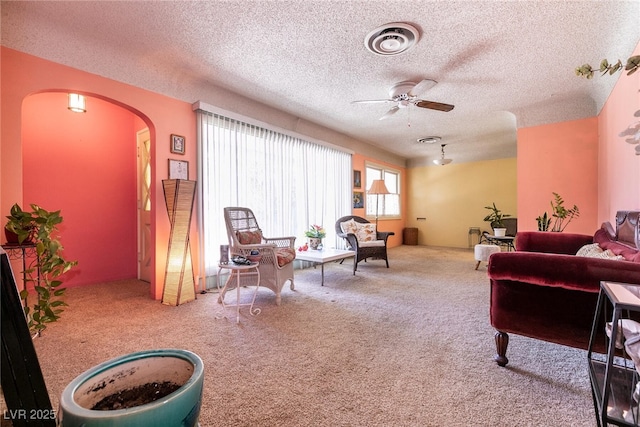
(364, 250)
(544, 291)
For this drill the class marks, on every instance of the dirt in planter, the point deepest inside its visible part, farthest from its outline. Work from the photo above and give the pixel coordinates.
(136, 396)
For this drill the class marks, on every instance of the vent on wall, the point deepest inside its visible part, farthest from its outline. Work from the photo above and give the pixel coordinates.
(392, 39)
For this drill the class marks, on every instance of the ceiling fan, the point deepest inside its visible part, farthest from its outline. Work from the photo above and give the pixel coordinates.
(405, 94)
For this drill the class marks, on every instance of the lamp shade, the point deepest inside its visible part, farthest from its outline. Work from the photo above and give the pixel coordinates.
(378, 187)
(442, 162)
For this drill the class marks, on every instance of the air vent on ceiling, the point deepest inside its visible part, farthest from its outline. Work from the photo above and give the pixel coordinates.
(428, 139)
(392, 39)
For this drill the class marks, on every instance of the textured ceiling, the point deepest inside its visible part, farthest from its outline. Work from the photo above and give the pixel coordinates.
(504, 65)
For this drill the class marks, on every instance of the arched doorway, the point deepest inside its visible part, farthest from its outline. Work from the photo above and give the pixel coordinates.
(87, 166)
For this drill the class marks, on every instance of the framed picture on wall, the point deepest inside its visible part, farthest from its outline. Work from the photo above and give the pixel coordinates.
(177, 144)
(358, 199)
(178, 169)
(357, 179)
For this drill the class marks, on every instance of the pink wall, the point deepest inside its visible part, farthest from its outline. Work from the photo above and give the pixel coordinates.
(84, 164)
(561, 158)
(619, 167)
(24, 75)
(586, 161)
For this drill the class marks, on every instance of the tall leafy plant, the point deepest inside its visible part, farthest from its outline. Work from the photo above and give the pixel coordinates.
(561, 216)
(43, 273)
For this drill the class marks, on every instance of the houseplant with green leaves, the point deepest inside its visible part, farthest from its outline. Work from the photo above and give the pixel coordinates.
(40, 226)
(631, 66)
(495, 218)
(315, 233)
(561, 216)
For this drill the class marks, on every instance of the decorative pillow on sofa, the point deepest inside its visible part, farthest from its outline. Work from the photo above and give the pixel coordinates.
(285, 256)
(607, 241)
(249, 237)
(366, 233)
(594, 250)
(349, 226)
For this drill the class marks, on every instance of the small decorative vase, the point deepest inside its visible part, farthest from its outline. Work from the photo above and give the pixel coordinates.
(314, 242)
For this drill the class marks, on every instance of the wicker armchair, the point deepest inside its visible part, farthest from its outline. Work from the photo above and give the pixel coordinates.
(276, 264)
(373, 248)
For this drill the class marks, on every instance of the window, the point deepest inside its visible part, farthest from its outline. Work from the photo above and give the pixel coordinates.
(288, 183)
(388, 204)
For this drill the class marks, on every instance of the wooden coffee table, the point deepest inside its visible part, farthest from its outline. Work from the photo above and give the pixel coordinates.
(324, 256)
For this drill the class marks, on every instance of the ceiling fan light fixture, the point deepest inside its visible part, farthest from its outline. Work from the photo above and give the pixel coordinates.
(442, 161)
(391, 39)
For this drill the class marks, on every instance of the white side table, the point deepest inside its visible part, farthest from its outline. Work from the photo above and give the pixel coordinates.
(238, 270)
(324, 256)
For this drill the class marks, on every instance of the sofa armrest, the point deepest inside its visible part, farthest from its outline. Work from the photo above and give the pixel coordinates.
(351, 240)
(551, 242)
(282, 242)
(384, 235)
(559, 270)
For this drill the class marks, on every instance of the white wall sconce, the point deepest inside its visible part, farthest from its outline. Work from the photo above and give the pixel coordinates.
(77, 103)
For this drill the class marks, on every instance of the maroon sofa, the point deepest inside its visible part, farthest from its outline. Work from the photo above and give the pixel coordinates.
(544, 291)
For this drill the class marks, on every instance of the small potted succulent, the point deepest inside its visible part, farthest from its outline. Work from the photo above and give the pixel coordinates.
(495, 219)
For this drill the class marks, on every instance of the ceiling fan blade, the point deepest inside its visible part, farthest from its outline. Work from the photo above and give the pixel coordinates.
(422, 87)
(434, 105)
(372, 101)
(390, 113)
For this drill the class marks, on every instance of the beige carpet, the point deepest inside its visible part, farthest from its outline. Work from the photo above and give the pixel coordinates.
(406, 346)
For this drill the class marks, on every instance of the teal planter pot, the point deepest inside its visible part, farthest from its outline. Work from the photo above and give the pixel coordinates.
(179, 408)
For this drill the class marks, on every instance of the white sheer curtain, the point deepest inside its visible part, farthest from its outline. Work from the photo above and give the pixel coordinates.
(289, 183)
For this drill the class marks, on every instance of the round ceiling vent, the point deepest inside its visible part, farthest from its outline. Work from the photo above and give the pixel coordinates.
(429, 139)
(392, 39)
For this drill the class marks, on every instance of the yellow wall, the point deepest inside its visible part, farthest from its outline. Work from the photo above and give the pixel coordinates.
(452, 199)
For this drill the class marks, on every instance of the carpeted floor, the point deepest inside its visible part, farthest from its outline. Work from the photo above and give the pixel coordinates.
(406, 346)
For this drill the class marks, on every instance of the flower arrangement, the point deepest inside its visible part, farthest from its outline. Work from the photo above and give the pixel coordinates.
(316, 231)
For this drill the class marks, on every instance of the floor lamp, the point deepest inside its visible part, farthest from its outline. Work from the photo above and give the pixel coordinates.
(179, 283)
(377, 188)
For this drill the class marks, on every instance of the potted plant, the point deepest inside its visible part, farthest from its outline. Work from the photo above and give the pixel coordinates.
(495, 219)
(561, 215)
(43, 274)
(543, 222)
(315, 234)
(152, 387)
(21, 226)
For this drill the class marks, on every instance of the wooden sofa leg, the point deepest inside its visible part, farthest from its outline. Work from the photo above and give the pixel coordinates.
(502, 341)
